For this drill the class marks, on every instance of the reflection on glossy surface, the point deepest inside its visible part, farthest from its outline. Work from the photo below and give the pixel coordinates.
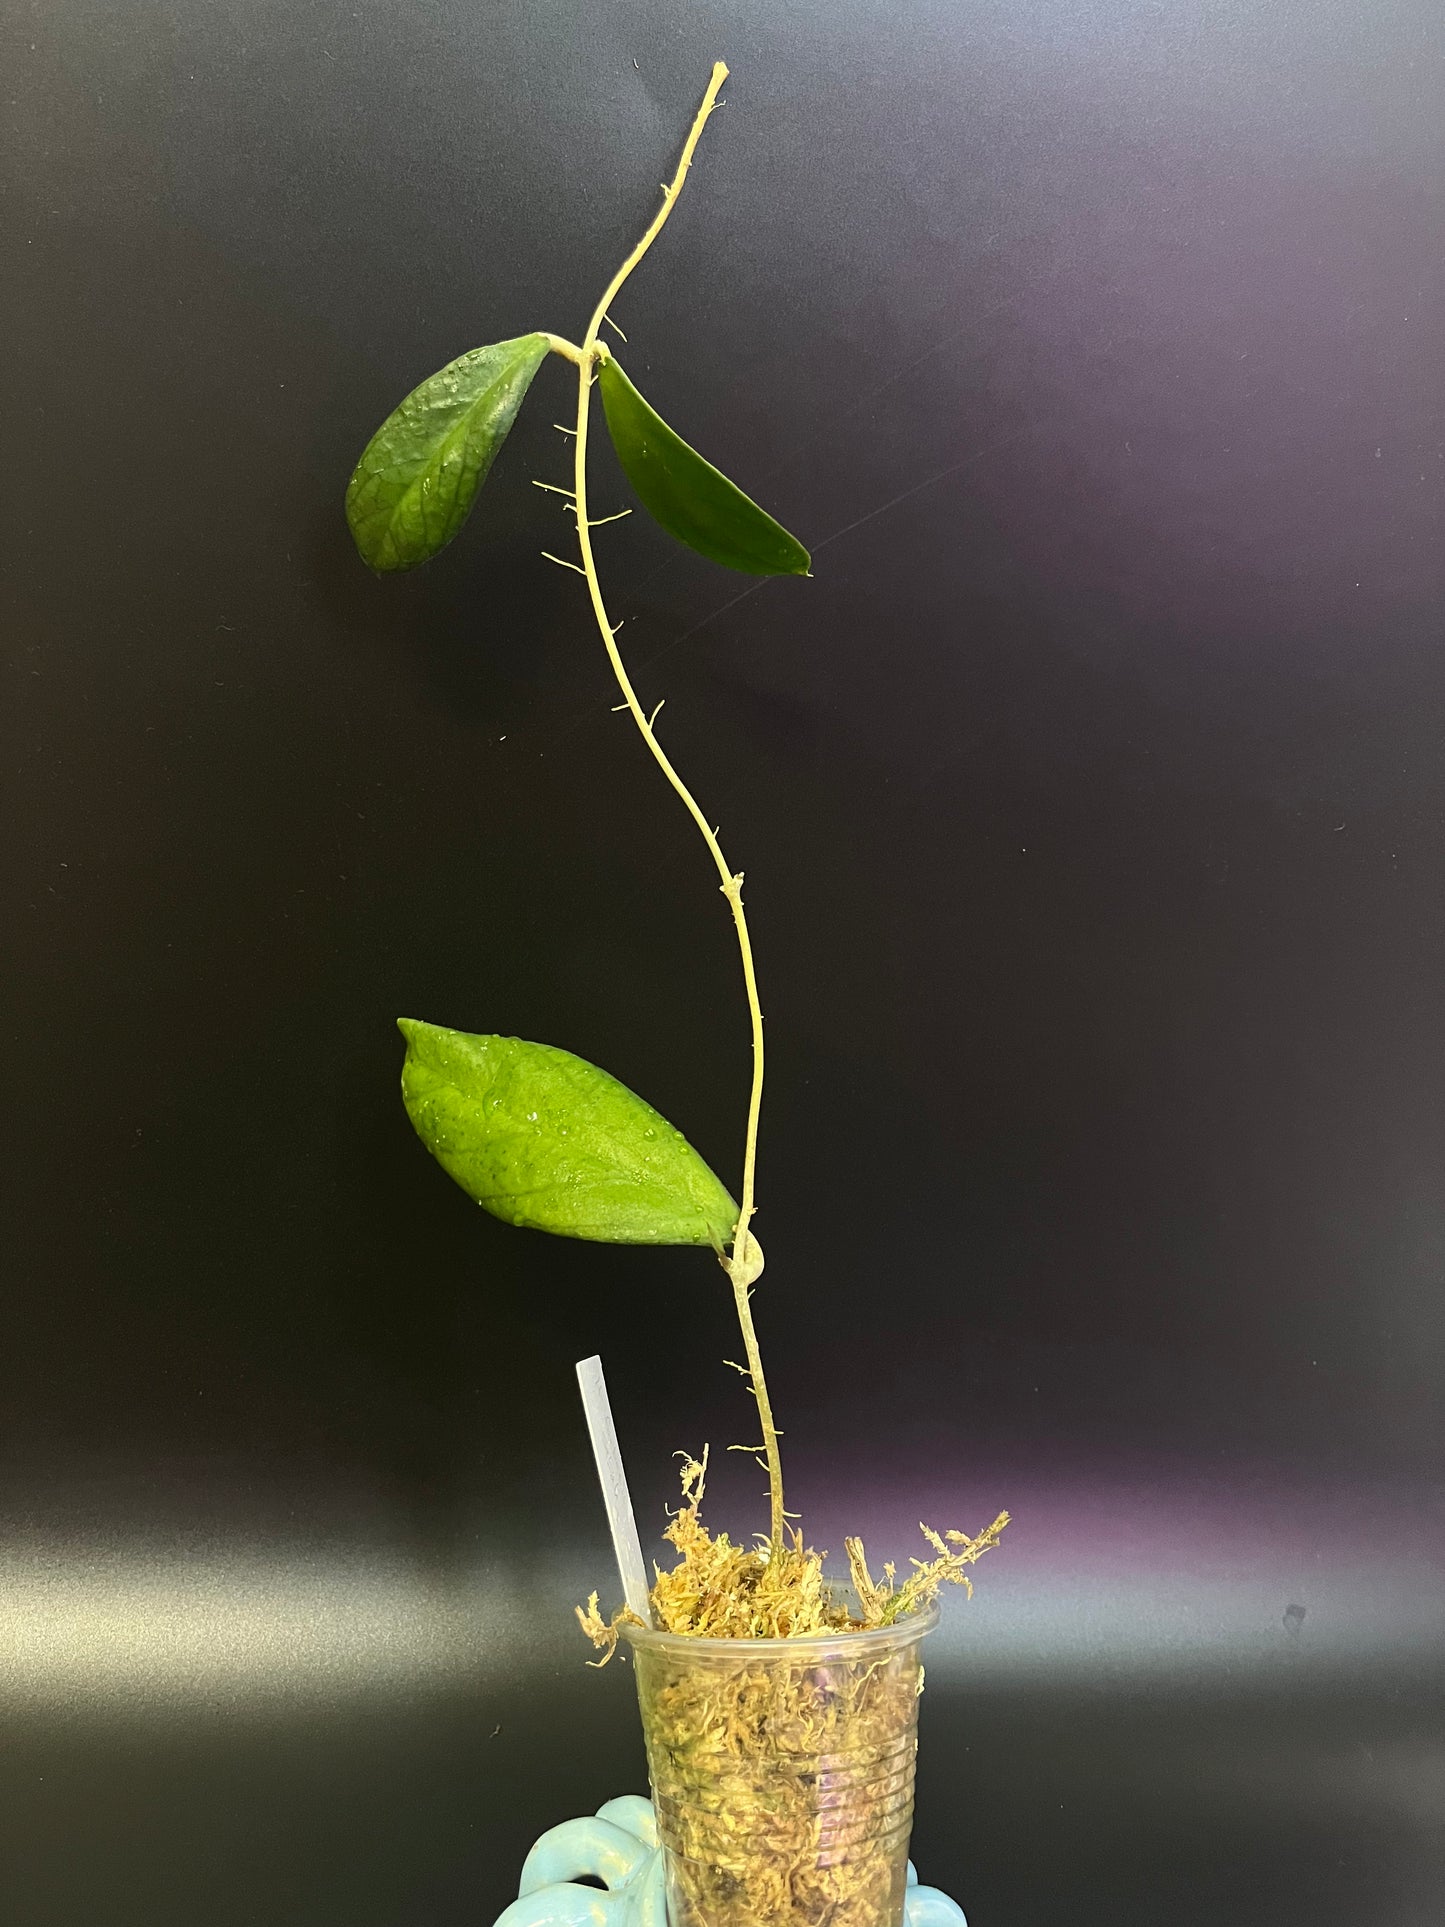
(1187, 1578)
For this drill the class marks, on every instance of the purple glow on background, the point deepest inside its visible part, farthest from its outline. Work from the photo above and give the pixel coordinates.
(1173, 1571)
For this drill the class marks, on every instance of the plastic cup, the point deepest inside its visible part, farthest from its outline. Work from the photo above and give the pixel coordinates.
(782, 1773)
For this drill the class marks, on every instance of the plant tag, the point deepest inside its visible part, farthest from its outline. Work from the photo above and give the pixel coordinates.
(615, 1495)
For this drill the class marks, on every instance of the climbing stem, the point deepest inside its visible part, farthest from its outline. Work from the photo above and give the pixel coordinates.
(744, 1261)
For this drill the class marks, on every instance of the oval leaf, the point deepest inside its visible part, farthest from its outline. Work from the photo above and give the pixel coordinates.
(687, 495)
(541, 1138)
(419, 474)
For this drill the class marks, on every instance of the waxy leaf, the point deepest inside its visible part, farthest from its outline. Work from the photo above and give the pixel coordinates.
(419, 474)
(541, 1138)
(687, 495)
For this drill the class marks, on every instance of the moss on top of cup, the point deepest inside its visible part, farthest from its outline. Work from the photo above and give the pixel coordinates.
(718, 1590)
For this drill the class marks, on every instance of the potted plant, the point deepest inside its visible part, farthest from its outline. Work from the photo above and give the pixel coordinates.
(779, 1706)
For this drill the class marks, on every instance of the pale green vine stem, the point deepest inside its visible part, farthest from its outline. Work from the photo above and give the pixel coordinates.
(745, 1261)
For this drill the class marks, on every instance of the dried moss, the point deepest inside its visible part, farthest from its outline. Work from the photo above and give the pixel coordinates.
(783, 1788)
(718, 1590)
(783, 1785)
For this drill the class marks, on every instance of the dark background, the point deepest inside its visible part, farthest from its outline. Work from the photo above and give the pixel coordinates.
(1092, 805)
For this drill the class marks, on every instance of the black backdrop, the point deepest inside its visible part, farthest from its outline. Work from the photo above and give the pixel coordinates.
(1090, 800)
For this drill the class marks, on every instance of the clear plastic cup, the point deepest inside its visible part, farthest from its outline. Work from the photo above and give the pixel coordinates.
(782, 1773)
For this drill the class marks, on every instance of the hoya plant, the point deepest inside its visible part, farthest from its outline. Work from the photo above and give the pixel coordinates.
(539, 1137)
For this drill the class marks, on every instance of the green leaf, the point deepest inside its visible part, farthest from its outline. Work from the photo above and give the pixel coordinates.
(419, 474)
(692, 499)
(541, 1138)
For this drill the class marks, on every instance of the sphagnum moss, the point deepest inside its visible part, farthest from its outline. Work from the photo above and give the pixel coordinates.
(781, 1788)
(783, 1785)
(717, 1590)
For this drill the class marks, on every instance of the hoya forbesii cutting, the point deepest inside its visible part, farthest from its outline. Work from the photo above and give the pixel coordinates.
(542, 1138)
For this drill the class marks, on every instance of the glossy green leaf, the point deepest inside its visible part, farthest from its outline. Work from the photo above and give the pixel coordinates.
(419, 474)
(687, 495)
(541, 1138)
